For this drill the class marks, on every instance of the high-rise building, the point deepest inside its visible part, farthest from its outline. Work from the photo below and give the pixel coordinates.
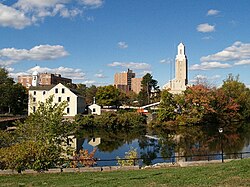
(136, 85)
(179, 83)
(43, 79)
(122, 80)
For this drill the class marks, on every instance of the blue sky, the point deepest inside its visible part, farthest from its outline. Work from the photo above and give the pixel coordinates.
(90, 40)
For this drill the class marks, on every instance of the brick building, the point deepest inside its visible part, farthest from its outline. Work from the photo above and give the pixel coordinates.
(45, 79)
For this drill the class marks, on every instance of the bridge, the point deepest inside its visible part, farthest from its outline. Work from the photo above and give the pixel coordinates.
(140, 108)
(11, 118)
(150, 105)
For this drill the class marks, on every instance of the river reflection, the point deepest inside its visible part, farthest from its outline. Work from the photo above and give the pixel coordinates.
(167, 143)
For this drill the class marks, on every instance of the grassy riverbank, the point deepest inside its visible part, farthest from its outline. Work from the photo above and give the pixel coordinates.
(234, 173)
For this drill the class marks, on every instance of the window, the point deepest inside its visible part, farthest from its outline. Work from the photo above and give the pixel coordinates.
(34, 99)
(63, 90)
(68, 99)
(44, 92)
(56, 90)
(34, 92)
(59, 99)
(34, 108)
(67, 110)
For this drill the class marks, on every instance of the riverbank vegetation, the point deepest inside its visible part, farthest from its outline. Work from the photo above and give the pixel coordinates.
(111, 120)
(37, 143)
(226, 174)
(201, 104)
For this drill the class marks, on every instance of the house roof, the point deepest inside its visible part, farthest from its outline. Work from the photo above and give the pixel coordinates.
(47, 87)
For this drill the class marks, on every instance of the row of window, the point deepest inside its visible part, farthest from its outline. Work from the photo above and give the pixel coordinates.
(44, 92)
(68, 110)
(56, 91)
(59, 99)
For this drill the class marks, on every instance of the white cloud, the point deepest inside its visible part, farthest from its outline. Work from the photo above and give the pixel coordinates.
(166, 61)
(237, 52)
(100, 75)
(212, 12)
(10, 17)
(131, 65)
(142, 73)
(24, 13)
(41, 52)
(122, 45)
(76, 74)
(204, 78)
(205, 27)
(209, 65)
(6, 63)
(92, 3)
(207, 38)
(44, 8)
(216, 77)
(242, 62)
(89, 82)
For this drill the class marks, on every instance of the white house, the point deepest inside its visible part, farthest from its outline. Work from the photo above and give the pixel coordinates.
(76, 103)
(95, 109)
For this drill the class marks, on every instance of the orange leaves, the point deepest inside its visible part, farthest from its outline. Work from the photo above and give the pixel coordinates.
(203, 104)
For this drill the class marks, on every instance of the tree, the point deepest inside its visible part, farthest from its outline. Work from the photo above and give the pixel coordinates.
(130, 159)
(108, 96)
(150, 91)
(39, 139)
(236, 90)
(199, 104)
(167, 107)
(90, 94)
(13, 97)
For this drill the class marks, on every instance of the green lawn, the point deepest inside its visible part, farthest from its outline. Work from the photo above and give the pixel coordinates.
(234, 173)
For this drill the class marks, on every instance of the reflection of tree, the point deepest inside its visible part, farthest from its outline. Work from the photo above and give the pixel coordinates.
(167, 142)
(150, 148)
(186, 141)
(202, 140)
(112, 138)
(148, 157)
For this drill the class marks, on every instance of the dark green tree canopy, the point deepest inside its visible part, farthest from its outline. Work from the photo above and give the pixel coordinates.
(13, 96)
(150, 90)
(108, 96)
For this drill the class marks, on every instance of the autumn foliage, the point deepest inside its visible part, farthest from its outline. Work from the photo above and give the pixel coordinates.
(200, 104)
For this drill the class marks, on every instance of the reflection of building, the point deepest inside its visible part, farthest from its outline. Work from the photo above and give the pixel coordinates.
(180, 82)
(43, 79)
(94, 142)
(76, 103)
(136, 85)
(122, 80)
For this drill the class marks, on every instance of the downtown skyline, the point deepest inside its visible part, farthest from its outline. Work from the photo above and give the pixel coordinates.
(91, 40)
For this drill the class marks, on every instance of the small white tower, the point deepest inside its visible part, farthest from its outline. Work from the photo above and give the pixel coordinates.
(35, 78)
